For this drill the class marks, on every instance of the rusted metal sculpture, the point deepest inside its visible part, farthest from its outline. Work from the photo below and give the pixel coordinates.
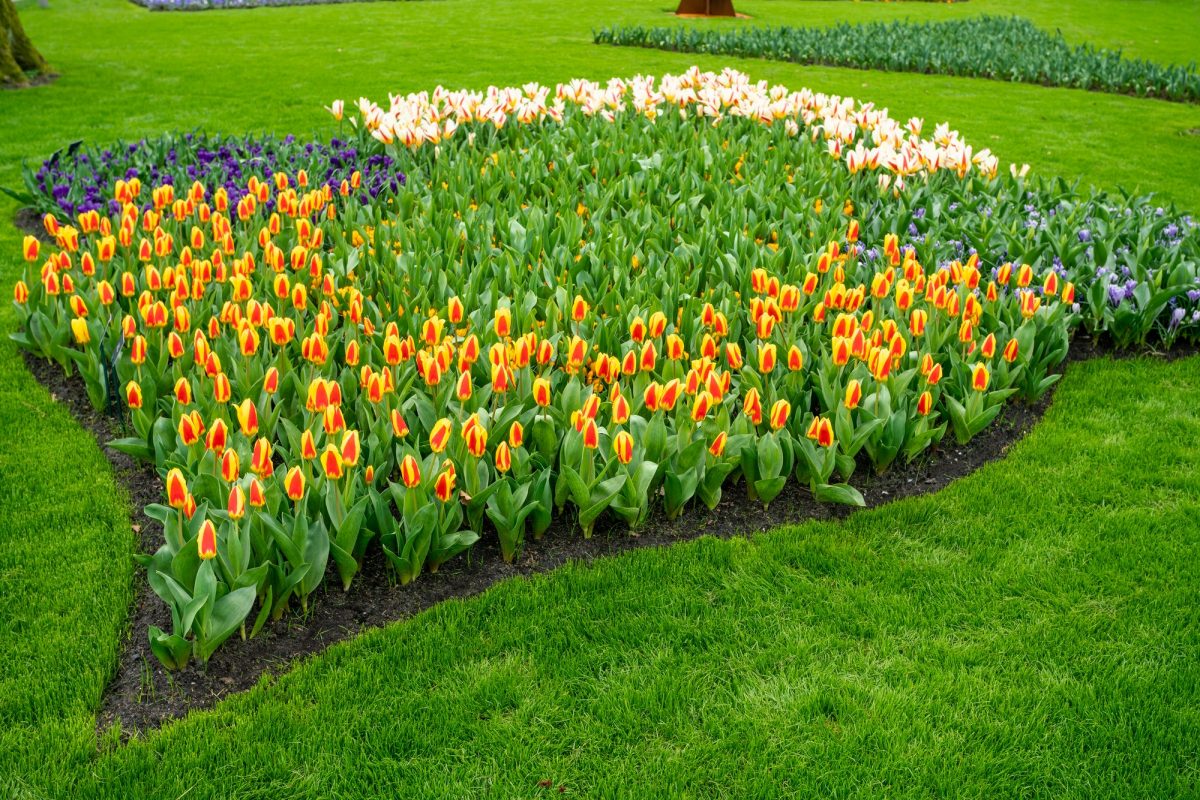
(706, 8)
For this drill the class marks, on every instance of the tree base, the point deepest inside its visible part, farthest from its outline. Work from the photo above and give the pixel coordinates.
(19, 59)
(29, 81)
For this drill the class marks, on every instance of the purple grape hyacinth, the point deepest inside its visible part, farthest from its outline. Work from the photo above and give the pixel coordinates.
(80, 178)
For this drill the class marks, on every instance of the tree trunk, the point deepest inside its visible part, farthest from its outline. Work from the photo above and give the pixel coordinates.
(18, 56)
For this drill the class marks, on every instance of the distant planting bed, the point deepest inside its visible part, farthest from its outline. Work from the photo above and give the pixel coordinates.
(215, 5)
(1000, 48)
(588, 302)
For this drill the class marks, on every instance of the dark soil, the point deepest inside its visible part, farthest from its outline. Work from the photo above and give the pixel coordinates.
(144, 695)
(29, 221)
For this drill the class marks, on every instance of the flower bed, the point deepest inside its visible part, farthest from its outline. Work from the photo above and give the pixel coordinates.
(1001, 48)
(80, 178)
(593, 301)
(216, 5)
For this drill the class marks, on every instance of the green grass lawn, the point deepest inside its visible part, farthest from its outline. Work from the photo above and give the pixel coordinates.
(1029, 632)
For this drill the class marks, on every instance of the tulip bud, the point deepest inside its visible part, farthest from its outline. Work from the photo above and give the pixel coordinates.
(576, 351)
(439, 437)
(191, 428)
(351, 448)
(133, 395)
(331, 463)
(177, 490)
(31, 246)
(779, 413)
(207, 540)
(237, 502)
(293, 484)
(231, 466)
(1024, 275)
(247, 414)
(80, 330)
(658, 324)
(979, 378)
(579, 308)
(752, 406)
(670, 394)
(988, 348)
(648, 358)
(260, 458)
(175, 345)
(258, 495)
(674, 347)
(541, 392)
(853, 394)
(218, 436)
(591, 434)
(637, 329)
(623, 447)
(443, 487)
(545, 353)
(503, 322)
(516, 435)
(1050, 286)
(717, 448)
(222, 388)
(924, 403)
(410, 472)
(620, 410)
(733, 353)
(795, 359)
(308, 446)
(821, 431)
(503, 458)
(476, 437)
(399, 426)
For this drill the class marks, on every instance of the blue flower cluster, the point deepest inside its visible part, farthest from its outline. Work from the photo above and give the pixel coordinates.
(78, 179)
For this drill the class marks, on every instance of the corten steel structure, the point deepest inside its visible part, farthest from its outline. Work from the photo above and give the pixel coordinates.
(706, 8)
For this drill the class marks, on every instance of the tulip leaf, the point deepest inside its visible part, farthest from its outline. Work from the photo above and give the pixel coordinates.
(263, 613)
(768, 489)
(133, 446)
(228, 613)
(842, 493)
(172, 650)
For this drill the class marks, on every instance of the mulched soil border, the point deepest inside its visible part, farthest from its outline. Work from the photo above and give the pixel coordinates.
(143, 695)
